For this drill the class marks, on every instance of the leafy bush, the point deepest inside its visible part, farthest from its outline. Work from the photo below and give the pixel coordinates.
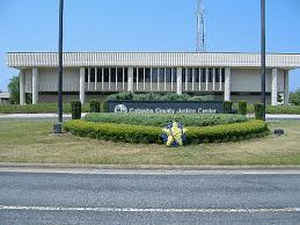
(242, 108)
(150, 134)
(295, 97)
(76, 110)
(94, 106)
(39, 108)
(14, 90)
(228, 107)
(259, 111)
(162, 119)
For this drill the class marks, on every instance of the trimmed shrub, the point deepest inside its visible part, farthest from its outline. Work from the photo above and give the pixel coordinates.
(150, 134)
(228, 107)
(152, 119)
(104, 107)
(94, 106)
(259, 111)
(76, 110)
(242, 108)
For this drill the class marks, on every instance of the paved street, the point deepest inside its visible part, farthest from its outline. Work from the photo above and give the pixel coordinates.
(159, 197)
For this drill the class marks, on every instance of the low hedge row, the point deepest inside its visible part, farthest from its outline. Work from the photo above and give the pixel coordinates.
(150, 134)
(39, 108)
(160, 120)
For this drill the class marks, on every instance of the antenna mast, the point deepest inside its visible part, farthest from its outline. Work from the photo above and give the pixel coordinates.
(201, 41)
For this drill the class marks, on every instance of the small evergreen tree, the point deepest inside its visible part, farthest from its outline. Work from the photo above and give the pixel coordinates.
(14, 90)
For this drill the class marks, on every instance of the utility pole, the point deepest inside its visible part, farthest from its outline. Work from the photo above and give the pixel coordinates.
(58, 126)
(263, 55)
(201, 42)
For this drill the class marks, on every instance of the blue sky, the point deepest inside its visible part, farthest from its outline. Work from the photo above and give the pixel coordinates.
(140, 25)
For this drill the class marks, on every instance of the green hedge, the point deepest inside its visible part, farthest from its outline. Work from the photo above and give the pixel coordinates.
(242, 108)
(39, 108)
(150, 134)
(161, 120)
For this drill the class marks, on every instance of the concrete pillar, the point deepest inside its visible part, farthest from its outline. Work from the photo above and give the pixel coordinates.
(22, 88)
(227, 91)
(130, 79)
(82, 85)
(35, 85)
(274, 94)
(286, 87)
(179, 81)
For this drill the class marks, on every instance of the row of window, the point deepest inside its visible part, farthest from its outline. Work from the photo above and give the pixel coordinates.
(116, 74)
(187, 74)
(158, 75)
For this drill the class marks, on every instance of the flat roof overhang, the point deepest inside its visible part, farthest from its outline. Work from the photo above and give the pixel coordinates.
(23, 60)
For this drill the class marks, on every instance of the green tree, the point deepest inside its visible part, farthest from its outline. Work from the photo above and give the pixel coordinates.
(13, 88)
(295, 97)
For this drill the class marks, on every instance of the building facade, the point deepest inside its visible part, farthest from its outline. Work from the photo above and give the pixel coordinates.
(227, 76)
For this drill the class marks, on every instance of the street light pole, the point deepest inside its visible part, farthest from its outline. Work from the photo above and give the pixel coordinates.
(263, 55)
(58, 126)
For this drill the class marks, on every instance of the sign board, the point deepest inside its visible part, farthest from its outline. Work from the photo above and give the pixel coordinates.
(166, 107)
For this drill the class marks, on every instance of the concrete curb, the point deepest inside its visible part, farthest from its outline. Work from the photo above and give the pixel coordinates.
(144, 167)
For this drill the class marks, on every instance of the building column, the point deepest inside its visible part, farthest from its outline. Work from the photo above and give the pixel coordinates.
(274, 94)
(130, 79)
(179, 81)
(22, 88)
(35, 85)
(286, 87)
(227, 91)
(82, 85)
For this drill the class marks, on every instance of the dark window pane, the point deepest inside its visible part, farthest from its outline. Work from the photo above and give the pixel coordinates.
(190, 75)
(147, 75)
(93, 75)
(217, 75)
(106, 75)
(126, 75)
(154, 75)
(169, 72)
(134, 75)
(197, 75)
(161, 75)
(223, 75)
(210, 75)
(174, 71)
(141, 75)
(86, 76)
(183, 75)
(99, 75)
(203, 77)
(120, 74)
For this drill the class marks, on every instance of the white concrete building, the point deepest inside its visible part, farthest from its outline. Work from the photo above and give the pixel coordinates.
(228, 76)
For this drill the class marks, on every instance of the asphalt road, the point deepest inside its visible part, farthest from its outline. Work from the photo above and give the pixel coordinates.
(158, 198)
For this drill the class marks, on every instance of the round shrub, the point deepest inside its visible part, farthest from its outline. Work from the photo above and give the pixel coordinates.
(76, 110)
(228, 107)
(259, 111)
(94, 106)
(150, 134)
(242, 108)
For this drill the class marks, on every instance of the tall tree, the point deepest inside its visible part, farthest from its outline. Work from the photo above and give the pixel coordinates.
(14, 90)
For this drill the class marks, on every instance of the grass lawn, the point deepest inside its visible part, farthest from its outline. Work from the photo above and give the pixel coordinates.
(32, 141)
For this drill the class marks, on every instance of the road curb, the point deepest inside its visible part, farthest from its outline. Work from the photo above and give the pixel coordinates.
(144, 167)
